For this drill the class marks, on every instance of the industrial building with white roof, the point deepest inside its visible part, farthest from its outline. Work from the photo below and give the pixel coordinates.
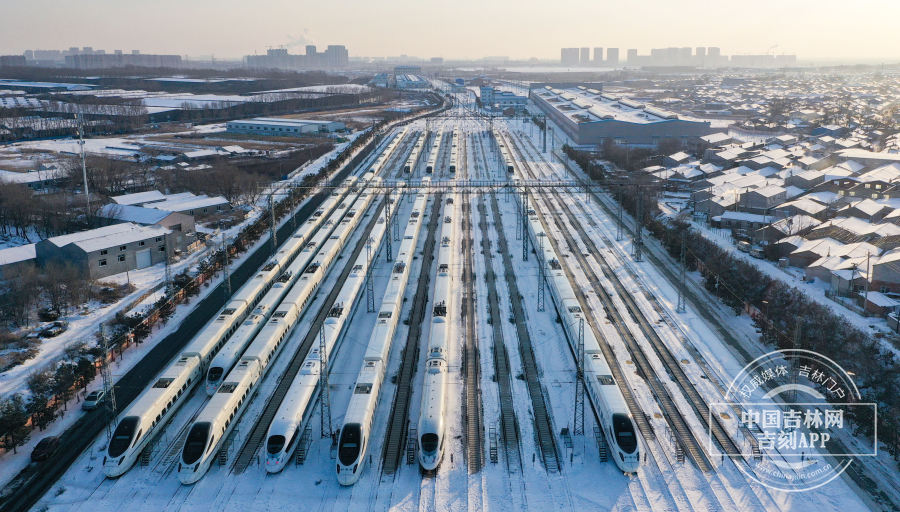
(282, 127)
(109, 250)
(589, 117)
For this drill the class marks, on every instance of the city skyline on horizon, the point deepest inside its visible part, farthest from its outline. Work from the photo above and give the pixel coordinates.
(232, 30)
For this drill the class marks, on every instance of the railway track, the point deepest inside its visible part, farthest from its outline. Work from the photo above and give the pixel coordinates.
(472, 410)
(698, 403)
(399, 419)
(508, 423)
(542, 423)
(674, 417)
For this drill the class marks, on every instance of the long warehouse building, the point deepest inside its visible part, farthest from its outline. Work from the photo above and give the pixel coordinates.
(589, 117)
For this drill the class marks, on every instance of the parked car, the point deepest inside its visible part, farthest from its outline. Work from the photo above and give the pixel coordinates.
(743, 246)
(93, 400)
(53, 330)
(45, 448)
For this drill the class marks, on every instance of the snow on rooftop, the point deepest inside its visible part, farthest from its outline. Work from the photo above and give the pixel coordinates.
(136, 214)
(108, 236)
(139, 197)
(17, 254)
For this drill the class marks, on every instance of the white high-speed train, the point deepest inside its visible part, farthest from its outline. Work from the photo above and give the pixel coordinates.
(357, 427)
(232, 350)
(216, 420)
(615, 418)
(382, 160)
(432, 414)
(295, 410)
(454, 151)
(413, 161)
(146, 416)
(506, 158)
(431, 166)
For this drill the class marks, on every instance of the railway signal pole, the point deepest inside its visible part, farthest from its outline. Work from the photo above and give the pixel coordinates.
(324, 396)
(579, 382)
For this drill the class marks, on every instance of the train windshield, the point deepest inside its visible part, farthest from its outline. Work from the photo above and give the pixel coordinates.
(215, 374)
(275, 444)
(349, 445)
(429, 443)
(196, 442)
(624, 430)
(123, 435)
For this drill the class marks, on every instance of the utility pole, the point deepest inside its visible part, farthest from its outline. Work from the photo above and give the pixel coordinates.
(273, 235)
(619, 227)
(370, 282)
(682, 278)
(639, 227)
(325, 395)
(169, 284)
(579, 381)
(87, 195)
(388, 218)
(226, 270)
(541, 272)
(108, 385)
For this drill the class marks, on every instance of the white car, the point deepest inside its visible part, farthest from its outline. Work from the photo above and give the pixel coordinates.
(93, 400)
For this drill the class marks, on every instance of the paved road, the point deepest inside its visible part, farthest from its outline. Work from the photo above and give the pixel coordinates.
(35, 480)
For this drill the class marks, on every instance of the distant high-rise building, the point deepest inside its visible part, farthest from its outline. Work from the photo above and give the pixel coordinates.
(712, 51)
(569, 56)
(632, 56)
(437, 61)
(585, 56)
(685, 54)
(336, 56)
(117, 52)
(598, 55)
(135, 52)
(103, 61)
(612, 56)
(700, 51)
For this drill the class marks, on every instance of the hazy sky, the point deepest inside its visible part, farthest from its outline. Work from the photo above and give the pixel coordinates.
(820, 30)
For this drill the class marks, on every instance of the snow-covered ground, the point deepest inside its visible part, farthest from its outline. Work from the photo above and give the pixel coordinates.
(583, 483)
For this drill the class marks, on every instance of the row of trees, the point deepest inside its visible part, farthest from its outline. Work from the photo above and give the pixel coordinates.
(48, 389)
(742, 286)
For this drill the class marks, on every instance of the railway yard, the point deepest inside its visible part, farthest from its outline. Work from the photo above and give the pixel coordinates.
(420, 342)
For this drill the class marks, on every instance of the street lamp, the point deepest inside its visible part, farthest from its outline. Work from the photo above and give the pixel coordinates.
(766, 329)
